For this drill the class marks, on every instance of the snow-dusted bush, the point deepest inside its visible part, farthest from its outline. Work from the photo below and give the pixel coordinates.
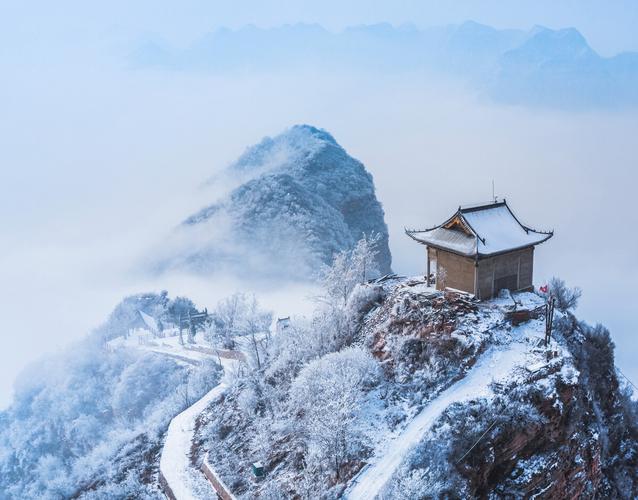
(291, 349)
(141, 384)
(130, 487)
(362, 299)
(436, 480)
(205, 376)
(272, 491)
(566, 298)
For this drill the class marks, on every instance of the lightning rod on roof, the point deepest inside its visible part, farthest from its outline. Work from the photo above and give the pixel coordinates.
(493, 195)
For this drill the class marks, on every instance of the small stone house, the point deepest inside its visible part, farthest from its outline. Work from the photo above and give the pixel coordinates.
(481, 250)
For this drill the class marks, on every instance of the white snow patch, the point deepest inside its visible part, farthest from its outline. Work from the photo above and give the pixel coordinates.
(569, 374)
(533, 368)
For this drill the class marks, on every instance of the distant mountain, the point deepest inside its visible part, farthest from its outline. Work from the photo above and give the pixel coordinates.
(539, 67)
(301, 198)
(559, 68)
(472, 48)
(544, 45)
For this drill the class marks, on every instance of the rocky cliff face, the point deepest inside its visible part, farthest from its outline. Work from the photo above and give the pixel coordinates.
(301, 198)
(579, 437)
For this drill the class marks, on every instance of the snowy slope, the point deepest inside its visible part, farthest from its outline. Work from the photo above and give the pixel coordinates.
(494, 365)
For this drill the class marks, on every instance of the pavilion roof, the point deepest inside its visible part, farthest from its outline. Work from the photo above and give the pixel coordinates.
(481, 231)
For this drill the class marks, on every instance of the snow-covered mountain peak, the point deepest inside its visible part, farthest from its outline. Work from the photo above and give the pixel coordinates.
(298, 143)
(298, 199)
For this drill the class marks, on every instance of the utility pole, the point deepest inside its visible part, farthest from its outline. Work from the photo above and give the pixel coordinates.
(549, 319)
(181, 339)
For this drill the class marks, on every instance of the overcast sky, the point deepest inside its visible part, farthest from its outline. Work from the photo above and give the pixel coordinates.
(98, 161)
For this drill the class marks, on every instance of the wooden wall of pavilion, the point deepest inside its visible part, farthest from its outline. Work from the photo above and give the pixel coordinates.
(459, 271)
(512, 270)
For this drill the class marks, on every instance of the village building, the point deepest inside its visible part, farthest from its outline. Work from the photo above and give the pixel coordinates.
(481, 250)
(282, 324)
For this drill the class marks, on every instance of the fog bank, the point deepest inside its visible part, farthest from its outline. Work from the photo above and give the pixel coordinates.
(99, 165)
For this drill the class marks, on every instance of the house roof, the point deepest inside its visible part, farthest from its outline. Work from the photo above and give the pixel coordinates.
(481, 231)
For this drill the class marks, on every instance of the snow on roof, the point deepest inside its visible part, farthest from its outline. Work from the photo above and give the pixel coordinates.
(149, 321)
(481, 231)
(452, 239)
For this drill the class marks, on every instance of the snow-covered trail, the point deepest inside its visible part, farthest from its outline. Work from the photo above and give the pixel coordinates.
(494, 364)
(185, 481)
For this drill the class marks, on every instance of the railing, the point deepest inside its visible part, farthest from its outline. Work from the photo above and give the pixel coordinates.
(219, 486)
(168, 492)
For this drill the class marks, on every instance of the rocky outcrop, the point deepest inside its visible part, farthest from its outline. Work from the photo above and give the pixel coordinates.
(548, 452)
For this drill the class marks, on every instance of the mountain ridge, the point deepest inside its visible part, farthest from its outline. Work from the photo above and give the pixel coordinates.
(536, 67)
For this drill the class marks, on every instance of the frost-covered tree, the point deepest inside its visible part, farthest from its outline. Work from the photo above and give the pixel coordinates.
(180, 307)
(324, 400)
(256, 325)
(84, 423)
(224, 321)
(333, 319)
(351, 267)
(290, 350)
(240, 315)
(364, 257)
(340, 278)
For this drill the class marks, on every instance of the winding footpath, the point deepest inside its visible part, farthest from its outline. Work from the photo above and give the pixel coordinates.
(180, 480)
(494, 364)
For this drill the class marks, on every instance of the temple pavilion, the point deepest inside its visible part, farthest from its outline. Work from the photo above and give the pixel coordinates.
(481, 250)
